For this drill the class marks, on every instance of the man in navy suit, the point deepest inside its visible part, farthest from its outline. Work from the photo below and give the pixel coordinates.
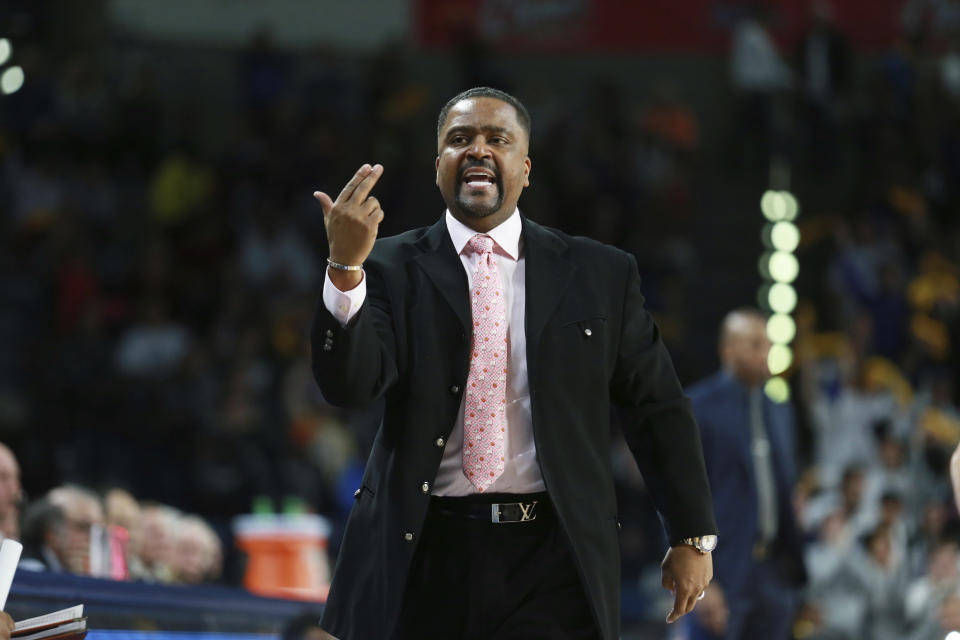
(748, 445)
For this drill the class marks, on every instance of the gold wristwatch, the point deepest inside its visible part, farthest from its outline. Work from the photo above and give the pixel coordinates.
(703, 544)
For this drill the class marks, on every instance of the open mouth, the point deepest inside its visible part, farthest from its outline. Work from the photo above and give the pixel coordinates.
(479, 178)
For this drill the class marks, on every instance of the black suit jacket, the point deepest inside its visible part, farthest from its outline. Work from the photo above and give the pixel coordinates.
(410, 343)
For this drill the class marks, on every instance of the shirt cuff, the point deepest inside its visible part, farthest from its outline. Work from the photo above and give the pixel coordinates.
(343, 304)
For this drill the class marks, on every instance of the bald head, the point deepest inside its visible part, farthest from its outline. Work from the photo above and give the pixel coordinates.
(744, 346)
(79, 504)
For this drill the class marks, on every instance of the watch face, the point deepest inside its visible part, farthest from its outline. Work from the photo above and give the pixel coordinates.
(708, 543)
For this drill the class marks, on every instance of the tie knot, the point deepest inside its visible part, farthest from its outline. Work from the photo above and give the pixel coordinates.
(481, 243)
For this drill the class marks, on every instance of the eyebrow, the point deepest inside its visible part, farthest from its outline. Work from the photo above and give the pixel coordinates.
(486, 129)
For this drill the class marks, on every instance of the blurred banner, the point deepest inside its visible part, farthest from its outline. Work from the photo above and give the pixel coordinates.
(687, 26)
(352, 26)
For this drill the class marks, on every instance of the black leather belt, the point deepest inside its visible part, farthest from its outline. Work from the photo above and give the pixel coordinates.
(499, 509)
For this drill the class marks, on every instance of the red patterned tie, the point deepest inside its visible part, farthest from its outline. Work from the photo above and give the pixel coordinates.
(484, 418)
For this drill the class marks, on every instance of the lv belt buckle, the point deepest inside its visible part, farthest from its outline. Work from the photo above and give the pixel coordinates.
(513, 512)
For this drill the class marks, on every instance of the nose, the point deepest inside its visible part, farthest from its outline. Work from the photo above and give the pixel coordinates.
(479, 148)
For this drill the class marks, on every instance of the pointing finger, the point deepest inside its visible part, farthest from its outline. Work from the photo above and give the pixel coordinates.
(674, 611)
(363, 189)
(686, 599)
(354, 181)
(325, 202)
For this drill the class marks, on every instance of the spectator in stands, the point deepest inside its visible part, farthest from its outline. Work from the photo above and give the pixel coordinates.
(156, 548)
(11, 494)
(273, 255)
(836, 609)
(926, 595)
(44, 548)
(82, 511)
(927, 534)
(759, 75)
(878, 577)
(123, 511)
(847, 500)
(822, 61)
(197, 554)
(156, 345)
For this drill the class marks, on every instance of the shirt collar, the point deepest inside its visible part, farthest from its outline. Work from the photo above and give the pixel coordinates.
(506, 235)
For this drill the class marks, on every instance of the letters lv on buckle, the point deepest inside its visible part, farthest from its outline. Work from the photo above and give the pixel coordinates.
(528, 512)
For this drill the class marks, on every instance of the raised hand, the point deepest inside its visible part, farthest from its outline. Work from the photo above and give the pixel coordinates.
(352, 221)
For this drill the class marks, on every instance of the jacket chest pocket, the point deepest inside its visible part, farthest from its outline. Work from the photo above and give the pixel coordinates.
(589, 328)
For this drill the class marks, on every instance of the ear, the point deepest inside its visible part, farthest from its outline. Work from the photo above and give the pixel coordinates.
(527, 165)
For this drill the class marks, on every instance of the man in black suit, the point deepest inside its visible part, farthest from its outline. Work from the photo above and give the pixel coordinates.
(444, 541)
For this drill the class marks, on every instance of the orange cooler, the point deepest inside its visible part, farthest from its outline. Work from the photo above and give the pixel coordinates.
(286, 555)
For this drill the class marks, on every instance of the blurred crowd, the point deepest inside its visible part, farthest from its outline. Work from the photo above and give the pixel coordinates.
(75, 530)
(160, 258)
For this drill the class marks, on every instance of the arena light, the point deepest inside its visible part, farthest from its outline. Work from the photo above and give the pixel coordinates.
(784, 236)
(779, 359)
(782, 298)
(953, 635)
(11, 80)
(778, 390)
(773, 206)
(783, 267)
(781, 329)
(6, 50)
(790, 206)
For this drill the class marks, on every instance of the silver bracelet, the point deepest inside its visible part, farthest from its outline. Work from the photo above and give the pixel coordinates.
(344, 267)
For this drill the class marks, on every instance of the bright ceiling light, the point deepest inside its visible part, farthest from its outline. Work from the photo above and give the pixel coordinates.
(772, 205)
(779, 359)
(782, 298)
(783, 267)
(790, 206)
(785, 236)
(778, 390)
(781, 329)
(6, 50)
(11, 80)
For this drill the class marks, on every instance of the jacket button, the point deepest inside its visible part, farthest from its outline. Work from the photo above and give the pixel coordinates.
(329, 333)
(408, 536)
(328, 347)
(455, 389)
(441, 441)
(356, 494)
(425, 487)
(588, 332)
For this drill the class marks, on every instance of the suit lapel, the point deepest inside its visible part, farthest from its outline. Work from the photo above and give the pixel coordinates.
(442, 265)
(548, 275)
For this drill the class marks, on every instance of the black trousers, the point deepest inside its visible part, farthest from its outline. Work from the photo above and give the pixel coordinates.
(473, 579)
